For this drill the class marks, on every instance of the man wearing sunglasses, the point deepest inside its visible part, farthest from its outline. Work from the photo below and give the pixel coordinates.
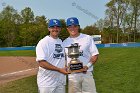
(81, 82)
(50, 58)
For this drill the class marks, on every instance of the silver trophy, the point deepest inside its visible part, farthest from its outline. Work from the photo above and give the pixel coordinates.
(73, 52)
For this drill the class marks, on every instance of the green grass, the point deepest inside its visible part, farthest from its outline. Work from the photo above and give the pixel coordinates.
(117, 71)
(18, 53)
(25, 85)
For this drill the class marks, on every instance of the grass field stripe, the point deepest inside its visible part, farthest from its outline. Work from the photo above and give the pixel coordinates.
(17, 72)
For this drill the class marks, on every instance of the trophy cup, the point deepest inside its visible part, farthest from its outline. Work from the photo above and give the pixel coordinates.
(73, 52)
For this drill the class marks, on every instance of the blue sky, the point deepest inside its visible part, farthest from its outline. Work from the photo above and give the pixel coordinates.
(87, 11)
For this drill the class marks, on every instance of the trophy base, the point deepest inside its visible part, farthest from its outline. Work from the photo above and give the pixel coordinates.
(75, 67)
(75, 71)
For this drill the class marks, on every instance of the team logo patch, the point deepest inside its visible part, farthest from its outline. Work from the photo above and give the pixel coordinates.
(71, 20)
(55, 22)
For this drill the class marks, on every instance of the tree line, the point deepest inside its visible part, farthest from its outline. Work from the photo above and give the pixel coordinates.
(121, 24)
(122, 21)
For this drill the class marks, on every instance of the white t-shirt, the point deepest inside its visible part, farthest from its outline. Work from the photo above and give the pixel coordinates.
(87, 48)
(52, 51)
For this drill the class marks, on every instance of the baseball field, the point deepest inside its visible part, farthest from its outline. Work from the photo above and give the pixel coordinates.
(117, 71)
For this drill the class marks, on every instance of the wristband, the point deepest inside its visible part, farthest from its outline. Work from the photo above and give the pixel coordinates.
(89, 64)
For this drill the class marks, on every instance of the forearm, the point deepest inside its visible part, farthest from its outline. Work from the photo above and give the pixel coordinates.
(94, 59)
(46, 65)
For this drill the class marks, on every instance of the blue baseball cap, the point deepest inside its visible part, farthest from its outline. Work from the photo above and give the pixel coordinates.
(72, 21)
(54, 22)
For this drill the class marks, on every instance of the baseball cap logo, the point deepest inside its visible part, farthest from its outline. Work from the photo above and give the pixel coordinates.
(71, 20)
(55, 22)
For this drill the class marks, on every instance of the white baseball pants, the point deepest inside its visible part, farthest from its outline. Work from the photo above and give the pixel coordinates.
(81, 83)
(58, 89)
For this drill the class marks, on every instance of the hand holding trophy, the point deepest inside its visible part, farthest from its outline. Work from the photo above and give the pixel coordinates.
(74, 65)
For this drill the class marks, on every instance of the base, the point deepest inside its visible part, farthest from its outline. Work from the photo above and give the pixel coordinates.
(75, 67)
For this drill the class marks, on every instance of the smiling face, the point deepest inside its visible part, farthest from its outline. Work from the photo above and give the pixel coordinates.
(54, 31)
(73, 30)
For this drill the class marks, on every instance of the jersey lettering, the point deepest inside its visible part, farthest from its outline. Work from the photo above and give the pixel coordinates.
(58, 51)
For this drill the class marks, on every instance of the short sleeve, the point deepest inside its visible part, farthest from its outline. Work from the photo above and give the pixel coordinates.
(41, 51)
(93, 49)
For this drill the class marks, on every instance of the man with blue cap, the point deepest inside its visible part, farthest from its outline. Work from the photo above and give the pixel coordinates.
(50, 58)
(81, 82)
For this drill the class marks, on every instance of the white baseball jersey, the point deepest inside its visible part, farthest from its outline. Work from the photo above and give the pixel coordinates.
(52, 51)
(87, 48)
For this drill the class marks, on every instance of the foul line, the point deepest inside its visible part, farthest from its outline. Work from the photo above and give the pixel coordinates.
(17, 72)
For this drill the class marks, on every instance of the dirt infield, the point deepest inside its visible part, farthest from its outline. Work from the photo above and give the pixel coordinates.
(13, 68)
